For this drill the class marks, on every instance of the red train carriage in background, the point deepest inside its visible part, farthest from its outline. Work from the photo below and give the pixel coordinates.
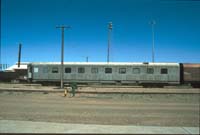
(190, 74)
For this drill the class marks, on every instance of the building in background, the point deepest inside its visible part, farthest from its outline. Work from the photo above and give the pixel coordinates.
(14, 72)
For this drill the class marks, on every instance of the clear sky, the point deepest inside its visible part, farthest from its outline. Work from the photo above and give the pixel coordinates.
(33, 23)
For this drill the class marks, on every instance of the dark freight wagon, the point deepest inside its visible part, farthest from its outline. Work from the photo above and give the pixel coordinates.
(191, 74)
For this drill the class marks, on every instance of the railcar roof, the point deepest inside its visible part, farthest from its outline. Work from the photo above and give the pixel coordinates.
(104, 63)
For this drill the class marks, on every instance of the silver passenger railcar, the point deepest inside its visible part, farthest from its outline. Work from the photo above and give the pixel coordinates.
(102, 72)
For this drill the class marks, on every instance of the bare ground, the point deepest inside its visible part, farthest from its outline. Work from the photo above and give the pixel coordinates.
(115, 109)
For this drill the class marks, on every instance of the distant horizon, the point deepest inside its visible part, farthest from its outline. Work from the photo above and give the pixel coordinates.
(16, 63)
(33, 23)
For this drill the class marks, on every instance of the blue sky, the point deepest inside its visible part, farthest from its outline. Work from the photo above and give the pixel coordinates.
(33, 22)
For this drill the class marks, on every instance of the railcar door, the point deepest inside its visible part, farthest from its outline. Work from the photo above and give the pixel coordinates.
(94, 74)
(120, 73)
(164, 74)
(106, 74)
(68, 71)
(72, 77)
(54, 73)
(35, 71)
(44, 70)
(174, 75)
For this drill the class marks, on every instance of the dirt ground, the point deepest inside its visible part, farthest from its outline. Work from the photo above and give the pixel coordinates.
(115, 109)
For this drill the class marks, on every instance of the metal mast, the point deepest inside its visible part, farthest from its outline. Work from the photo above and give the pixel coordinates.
(87, 59)
(153, 51)
(109, 40)
(62, 52)
(19, 54)
(0, 59)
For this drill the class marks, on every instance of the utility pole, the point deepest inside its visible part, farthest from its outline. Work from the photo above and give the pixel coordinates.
(19, 54)
(152, 28)
(1, 65)
(87, 58)
(109, 40)
(62, 52)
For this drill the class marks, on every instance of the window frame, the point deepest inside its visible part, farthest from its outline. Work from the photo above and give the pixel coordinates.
(107, 69)
(150, 69)
(53, 68)
(121, 70)
(135, 72)
(68, 70)
(36, 69)
(80, 71)
(165, 69)
(94, 70)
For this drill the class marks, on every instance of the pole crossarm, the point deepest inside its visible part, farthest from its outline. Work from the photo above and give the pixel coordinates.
(63, 26)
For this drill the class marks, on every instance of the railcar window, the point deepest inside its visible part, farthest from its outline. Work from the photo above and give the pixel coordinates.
(150, 70)
(94, 70)
(108, 70)
(136, 70)
(164, 71)
(35, 69)
(45, 70)
(122, 70)
(68, 70)
(81, 70)
(55, 70)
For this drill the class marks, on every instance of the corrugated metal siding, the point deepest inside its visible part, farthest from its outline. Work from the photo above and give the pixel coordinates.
(172, 76)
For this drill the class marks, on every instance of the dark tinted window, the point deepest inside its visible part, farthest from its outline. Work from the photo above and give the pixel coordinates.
(55, 70)
(108, 70)
(164, 71)
(81, 70)
(68, 70)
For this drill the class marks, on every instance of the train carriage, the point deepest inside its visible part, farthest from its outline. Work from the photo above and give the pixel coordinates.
(191, 74)
(102, 72)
